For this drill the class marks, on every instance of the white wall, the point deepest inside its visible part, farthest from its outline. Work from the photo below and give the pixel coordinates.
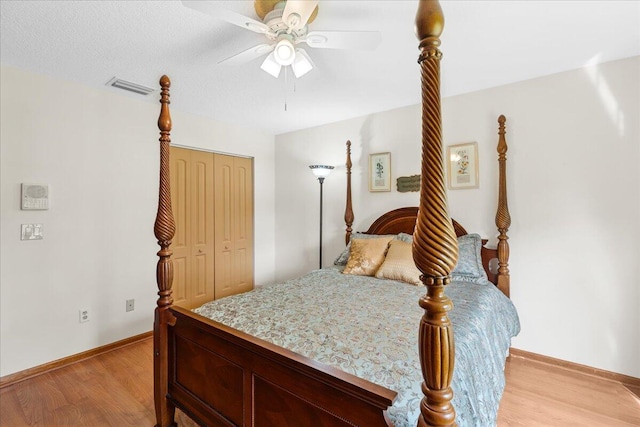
(574, 197)
(99, 153)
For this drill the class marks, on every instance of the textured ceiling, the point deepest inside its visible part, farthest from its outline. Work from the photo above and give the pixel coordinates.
(485, 44)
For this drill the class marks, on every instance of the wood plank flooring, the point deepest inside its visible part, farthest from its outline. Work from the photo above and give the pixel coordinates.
(538, 394)
(116, 389)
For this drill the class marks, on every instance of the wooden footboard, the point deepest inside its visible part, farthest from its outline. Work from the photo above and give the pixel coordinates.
(223, 377)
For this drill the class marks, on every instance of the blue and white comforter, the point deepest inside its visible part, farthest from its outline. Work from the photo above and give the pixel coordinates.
(369, 327)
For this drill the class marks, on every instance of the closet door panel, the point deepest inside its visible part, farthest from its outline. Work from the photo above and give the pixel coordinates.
(180, 281)
(180, 201)
(224, 274)
(243, 227)
(212, 201)
(224, 221)
(242, 282)
(202, 228)
(199, 280)
(240, 190)
(193, 245)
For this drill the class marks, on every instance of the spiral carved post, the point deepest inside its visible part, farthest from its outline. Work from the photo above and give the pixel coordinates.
(348, 213)
(164, 230)
(435, 246)
(503, 218)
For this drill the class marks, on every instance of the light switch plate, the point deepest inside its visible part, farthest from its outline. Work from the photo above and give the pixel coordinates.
(31, 232)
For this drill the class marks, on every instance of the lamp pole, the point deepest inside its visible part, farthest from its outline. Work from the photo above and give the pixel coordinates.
(321, 172)
(321, 179)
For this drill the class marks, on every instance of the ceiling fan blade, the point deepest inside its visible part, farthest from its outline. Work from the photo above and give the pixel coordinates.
(248, 55)
(211, 9)
(297, 12)
(366, 40)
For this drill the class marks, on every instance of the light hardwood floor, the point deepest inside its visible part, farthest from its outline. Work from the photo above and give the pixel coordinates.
(116, 389)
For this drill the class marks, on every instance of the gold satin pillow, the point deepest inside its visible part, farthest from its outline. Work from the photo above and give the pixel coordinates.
(366, 256)
(399, 264)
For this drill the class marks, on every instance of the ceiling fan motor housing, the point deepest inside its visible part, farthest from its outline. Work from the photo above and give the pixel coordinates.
(277, 26)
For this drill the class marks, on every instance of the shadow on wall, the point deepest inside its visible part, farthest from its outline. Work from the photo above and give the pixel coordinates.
(366, 136)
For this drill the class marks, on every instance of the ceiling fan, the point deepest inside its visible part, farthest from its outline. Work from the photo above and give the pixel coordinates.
(285, 26)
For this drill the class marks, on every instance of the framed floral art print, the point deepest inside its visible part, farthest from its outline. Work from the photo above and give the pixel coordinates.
(462, 166)
(380, 172)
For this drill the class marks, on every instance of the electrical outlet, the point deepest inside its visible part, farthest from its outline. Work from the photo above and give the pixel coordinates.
(131, 304)
(84, 315)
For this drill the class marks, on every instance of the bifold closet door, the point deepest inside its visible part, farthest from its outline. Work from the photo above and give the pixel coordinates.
(192, 198)
(234, 225)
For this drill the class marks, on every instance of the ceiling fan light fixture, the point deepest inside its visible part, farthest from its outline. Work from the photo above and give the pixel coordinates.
(302, 63)
(271, 65)
(284, 52)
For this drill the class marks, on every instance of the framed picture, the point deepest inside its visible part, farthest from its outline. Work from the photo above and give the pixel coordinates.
(380, 172)
(463, 166)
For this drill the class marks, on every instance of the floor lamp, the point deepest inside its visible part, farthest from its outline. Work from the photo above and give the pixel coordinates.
(321, 172)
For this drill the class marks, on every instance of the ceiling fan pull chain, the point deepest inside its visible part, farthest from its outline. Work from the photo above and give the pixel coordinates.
(285, 88)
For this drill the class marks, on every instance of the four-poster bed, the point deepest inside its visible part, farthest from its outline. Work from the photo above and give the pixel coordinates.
(222, 376)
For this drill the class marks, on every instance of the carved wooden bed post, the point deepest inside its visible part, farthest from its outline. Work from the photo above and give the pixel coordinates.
(503, 219)
(164, 230)
(348, 213)
(435, 246)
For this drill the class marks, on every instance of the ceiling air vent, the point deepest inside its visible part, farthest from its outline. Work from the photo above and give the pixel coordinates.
(131, 87)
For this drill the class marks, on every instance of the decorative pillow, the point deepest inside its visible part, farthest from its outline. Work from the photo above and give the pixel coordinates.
(469, 267)
(366, 256)
(405, 237)
(399, 264)
(344, 256)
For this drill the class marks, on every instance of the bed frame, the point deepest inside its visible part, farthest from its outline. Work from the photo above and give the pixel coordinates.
(222, 377)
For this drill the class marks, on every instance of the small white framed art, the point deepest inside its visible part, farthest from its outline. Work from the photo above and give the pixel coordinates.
(380, 172)
(462, 161)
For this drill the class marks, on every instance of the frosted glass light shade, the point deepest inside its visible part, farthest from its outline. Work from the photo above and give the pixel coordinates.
(302, 63)
(321, 171)
(271, 66)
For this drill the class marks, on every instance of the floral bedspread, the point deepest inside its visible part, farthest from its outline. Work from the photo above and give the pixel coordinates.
(369, 327)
